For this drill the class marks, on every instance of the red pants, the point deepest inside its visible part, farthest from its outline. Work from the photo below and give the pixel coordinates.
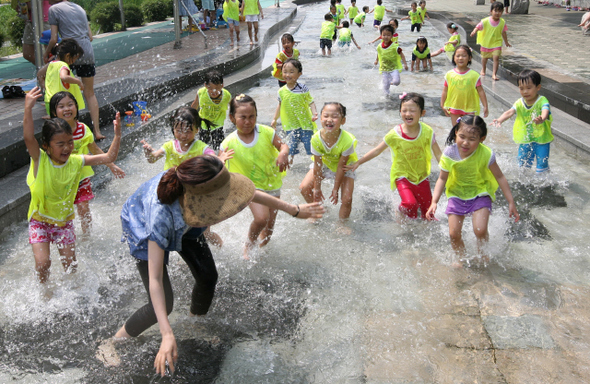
(414, 197)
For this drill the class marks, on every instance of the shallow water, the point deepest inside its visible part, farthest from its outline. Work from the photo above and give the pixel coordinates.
(382, 305)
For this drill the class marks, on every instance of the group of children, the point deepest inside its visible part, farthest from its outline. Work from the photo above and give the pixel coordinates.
(60, 168)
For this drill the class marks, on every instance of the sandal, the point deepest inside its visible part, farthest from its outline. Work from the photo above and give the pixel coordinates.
(6, 92)
(17, 91)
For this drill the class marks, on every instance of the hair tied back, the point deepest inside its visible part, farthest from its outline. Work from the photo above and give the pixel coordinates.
(403, 95)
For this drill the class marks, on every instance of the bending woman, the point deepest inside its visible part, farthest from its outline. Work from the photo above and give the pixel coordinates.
(170, 212)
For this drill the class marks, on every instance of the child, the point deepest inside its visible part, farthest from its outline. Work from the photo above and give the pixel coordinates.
(532, 127)
(288, 52)
(352, 11)
(469, 171)
(185, 127)
(421, 53)
(346, 36)
(389, 58)
(58, 73)
(341, 10)
(412, 144)
(422, 10)
(394, 24)
(231, 15)
(212, 101)
(251, 9)
(335, 20)
(462, 90)
(415, 18)
(490, 33)
(360, 18)
(454, 40)
(296, 109)
(64, 106)
(260, 155)
(328, 31)
(53, 178)
(332, 149)
(379, 11)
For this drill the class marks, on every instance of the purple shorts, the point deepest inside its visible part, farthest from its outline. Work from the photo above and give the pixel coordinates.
(459, 207)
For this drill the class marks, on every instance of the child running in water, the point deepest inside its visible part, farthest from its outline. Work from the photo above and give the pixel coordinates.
(379, 13)
(332, 149)
(394, 24)
(288, 52)
(360, 18)
(53, 178)
(346, 37)
(470, 177)
(231, 15)
(412, 144)
(415, 18)
(64, 106)
(532, 127)
(251, 9)
(261, 156)
(328, 31)
(421, 53)
(212, 102)
(490, 33)
(352, 11)
(341, 9)
(389, 58)
(454, 40)
(422, 10)
(462, 90)
(296, 109)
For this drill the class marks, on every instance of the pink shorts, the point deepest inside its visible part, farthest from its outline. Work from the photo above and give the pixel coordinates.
(84, 191)
(40, 232)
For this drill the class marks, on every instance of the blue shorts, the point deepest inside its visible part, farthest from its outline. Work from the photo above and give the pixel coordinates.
(297, 136)
(528, 152)
(377, 22)
(325, 43)
(234, 22)
(344, 43)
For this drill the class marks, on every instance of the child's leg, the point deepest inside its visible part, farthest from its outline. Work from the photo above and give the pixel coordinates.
(268, 230)
(455, 228)
(496, 64)
(250, 32)
(409, 205)
(386, 82)
(261, 217)
(542, 154)
(306, 187)
(484, 62)
(42, 260)
(256, 31)
(395, 78)
(237, 28)
(346, 190)
(526, 155)
(83, 208)
(231, 33)
(414, 62)
(68, 257)
(480, 228)
(423, 195)
(213, 237)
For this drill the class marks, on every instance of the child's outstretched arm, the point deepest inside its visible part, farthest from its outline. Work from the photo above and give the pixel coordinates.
(338, 179)
(111, 155)
(438, 190)
(403, 57)
(276, 117)
(373, 153)
(544, 116)
(151, 155)
(503, 183)
(29, 127)
(355, 43)
(41, 75)
(371, 42)
(117, 172)
(64, 75)
(195, 103)
(404, 18)
(303, 211)
(505, 116)
(474, 30)
(484, 100)
(283, 158)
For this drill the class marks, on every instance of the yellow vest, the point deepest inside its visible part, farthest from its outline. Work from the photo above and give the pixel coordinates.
(410, 158)
(54, 189)
(389, 59)
(450, 47)
(345, 35)
(331, 156)
(211, 111)
(282, 57)
(415, 17)
(379, 12)
(53, 84)
(524, 130)
(295, 111)
(231, 10)
(352, 12)
(251, 8)
(340, 9)
(462, 92)
(257, 160)
(422, 12)
(360, 18)
(421, 55)
(81, 146)
(470, 177)
(328, 29)
(490, 37)
(174, 158)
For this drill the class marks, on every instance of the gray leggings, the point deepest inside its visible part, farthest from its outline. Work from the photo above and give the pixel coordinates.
(197, 256)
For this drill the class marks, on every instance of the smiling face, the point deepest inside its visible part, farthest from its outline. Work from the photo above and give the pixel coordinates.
(244, 118)
(66, 109)
(184, 132)
(411, 113)
(214, 90)
(332, 119)
(291, 74)
(462, 59)
(467, 140)
(529, 91)
(386, 36)
(287, 46)
(60, 147)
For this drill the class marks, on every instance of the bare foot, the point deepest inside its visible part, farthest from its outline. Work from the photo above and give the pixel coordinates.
(248, 249)
(231, 44)
(482, 73)
(251, 42)
(344, 230)
(264, 237)
(495, 78)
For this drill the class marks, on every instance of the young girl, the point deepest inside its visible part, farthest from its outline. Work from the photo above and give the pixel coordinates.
(412, 144)
(64, 106)
(53, 178)
(260, 155)
(332, 149)
(415, 17)
(231, 14)
(251, 9)
(58, 73)
(389, 58)
(462, 90)
(471, 175)
(421, 53)
(454, 40)
(352, 11)
(287, 53)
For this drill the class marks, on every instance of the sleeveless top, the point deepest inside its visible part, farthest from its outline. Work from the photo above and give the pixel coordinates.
(410, 159)
(454, 37)
(389, 59)
(331, 156)
(53, 83)
(462, 92)
(211, 111)
(360, 18)
(256, 160)
(231, 10)
(251, 8)
(379, 12)
(174, 158)
(281, 58)
(83, 137)
(328, 28)
(352, 12)
(345, 35)
(54, 189)
(490, 37)
(524, 130)
(295, 110)
(415, 17)
(470, 177)
(421, 55)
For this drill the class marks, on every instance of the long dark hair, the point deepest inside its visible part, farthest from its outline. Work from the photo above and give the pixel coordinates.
(55, 99)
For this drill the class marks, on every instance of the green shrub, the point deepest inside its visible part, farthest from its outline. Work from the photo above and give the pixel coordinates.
(133, 16)
(106, 15)
(156, 10)
(1, 39)
(16, 27)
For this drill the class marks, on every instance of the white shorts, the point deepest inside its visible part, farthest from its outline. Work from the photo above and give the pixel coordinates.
(274, 193)
(327, 173)
(252, 18)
